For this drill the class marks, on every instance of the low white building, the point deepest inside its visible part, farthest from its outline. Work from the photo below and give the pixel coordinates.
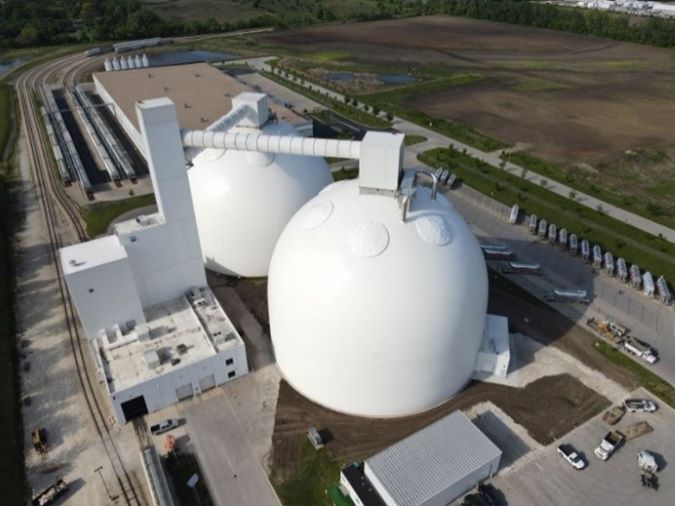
(432, 467)
(157, 332)
(187, 346)
(494, 354)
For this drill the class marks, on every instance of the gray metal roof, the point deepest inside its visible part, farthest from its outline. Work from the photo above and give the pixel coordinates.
(429, 461)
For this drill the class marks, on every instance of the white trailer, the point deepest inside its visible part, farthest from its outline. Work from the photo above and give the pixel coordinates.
(635, 276)
(640, 349)
(520, 268)
(451, 180)
(562, 238)
(565, 295)
(609, 263)
(648, 287)
(574, 244)
(543, 229)
(513, 216)
(533, 224)
(597, 256)
(585, 250)
(663, 291)
(621, 269)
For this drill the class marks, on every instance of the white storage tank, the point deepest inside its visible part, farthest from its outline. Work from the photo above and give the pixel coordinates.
(243, 200)
(375, 311)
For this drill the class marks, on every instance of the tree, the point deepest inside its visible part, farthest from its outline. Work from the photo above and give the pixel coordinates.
(523, 172)
(573, 195)
(543, 182)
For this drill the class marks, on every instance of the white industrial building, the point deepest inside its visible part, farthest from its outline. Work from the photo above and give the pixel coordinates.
(494, 354)
(157, 332)
(432, 467)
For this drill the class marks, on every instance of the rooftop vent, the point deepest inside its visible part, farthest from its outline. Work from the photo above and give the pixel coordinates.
(182, 349)
(152, 359)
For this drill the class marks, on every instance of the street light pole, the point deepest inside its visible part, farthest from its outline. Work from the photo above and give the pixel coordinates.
(98, 470)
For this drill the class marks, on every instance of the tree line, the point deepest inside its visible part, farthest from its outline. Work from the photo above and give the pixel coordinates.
(27, 23)
(653, 31)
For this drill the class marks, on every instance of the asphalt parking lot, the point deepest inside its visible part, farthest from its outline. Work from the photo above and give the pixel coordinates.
(646, 318)
(545, 478)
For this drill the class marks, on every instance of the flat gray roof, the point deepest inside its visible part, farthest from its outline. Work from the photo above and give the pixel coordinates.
(201, 92)
(429, 461)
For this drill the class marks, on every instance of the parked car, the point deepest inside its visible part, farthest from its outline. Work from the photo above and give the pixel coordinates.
(164, 426)
(571, 456)
(640, 405)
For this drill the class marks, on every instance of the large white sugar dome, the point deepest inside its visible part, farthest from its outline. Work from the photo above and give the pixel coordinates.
(243, 200)
(373, 316)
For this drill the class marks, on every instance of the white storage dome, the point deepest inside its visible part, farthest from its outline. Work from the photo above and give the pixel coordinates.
(244, 199)
(373, 316)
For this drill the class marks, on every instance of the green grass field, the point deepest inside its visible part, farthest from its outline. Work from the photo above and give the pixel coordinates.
(6, 124)
(580, 181)
(100, 215)
(311, 482)
(12, 473)
(356, 115)
(652, 253)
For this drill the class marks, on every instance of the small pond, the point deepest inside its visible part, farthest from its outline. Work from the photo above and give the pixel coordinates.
(183, 57)
(7, 65)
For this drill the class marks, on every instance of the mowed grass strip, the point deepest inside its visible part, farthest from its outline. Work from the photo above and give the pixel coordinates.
(646, 378)
(100, 215)
(635, 246)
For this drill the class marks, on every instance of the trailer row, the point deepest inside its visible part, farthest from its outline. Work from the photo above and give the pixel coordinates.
(605, 261)
(112, 149)
(445, 177)
(126, 62)
(71, 157)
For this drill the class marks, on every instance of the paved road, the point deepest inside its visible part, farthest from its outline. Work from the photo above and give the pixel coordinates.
(646, 318)
(437, 140)
(222, 433)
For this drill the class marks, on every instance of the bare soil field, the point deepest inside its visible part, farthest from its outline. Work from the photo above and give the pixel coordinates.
(569, 97)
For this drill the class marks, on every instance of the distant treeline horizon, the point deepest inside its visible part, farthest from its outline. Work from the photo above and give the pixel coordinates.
(29, 23)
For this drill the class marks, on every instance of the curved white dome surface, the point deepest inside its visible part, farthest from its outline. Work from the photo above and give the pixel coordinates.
(243, 201)
(372, 316)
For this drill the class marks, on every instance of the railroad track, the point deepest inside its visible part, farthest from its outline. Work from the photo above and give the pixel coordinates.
(53, 199)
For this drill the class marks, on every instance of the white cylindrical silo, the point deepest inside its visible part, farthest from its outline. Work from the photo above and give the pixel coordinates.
(373, 315)
(107, 65)
(145, 61)
(116, 64)
(243, 201)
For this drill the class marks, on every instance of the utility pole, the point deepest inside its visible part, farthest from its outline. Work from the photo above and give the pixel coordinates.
(98, 470)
